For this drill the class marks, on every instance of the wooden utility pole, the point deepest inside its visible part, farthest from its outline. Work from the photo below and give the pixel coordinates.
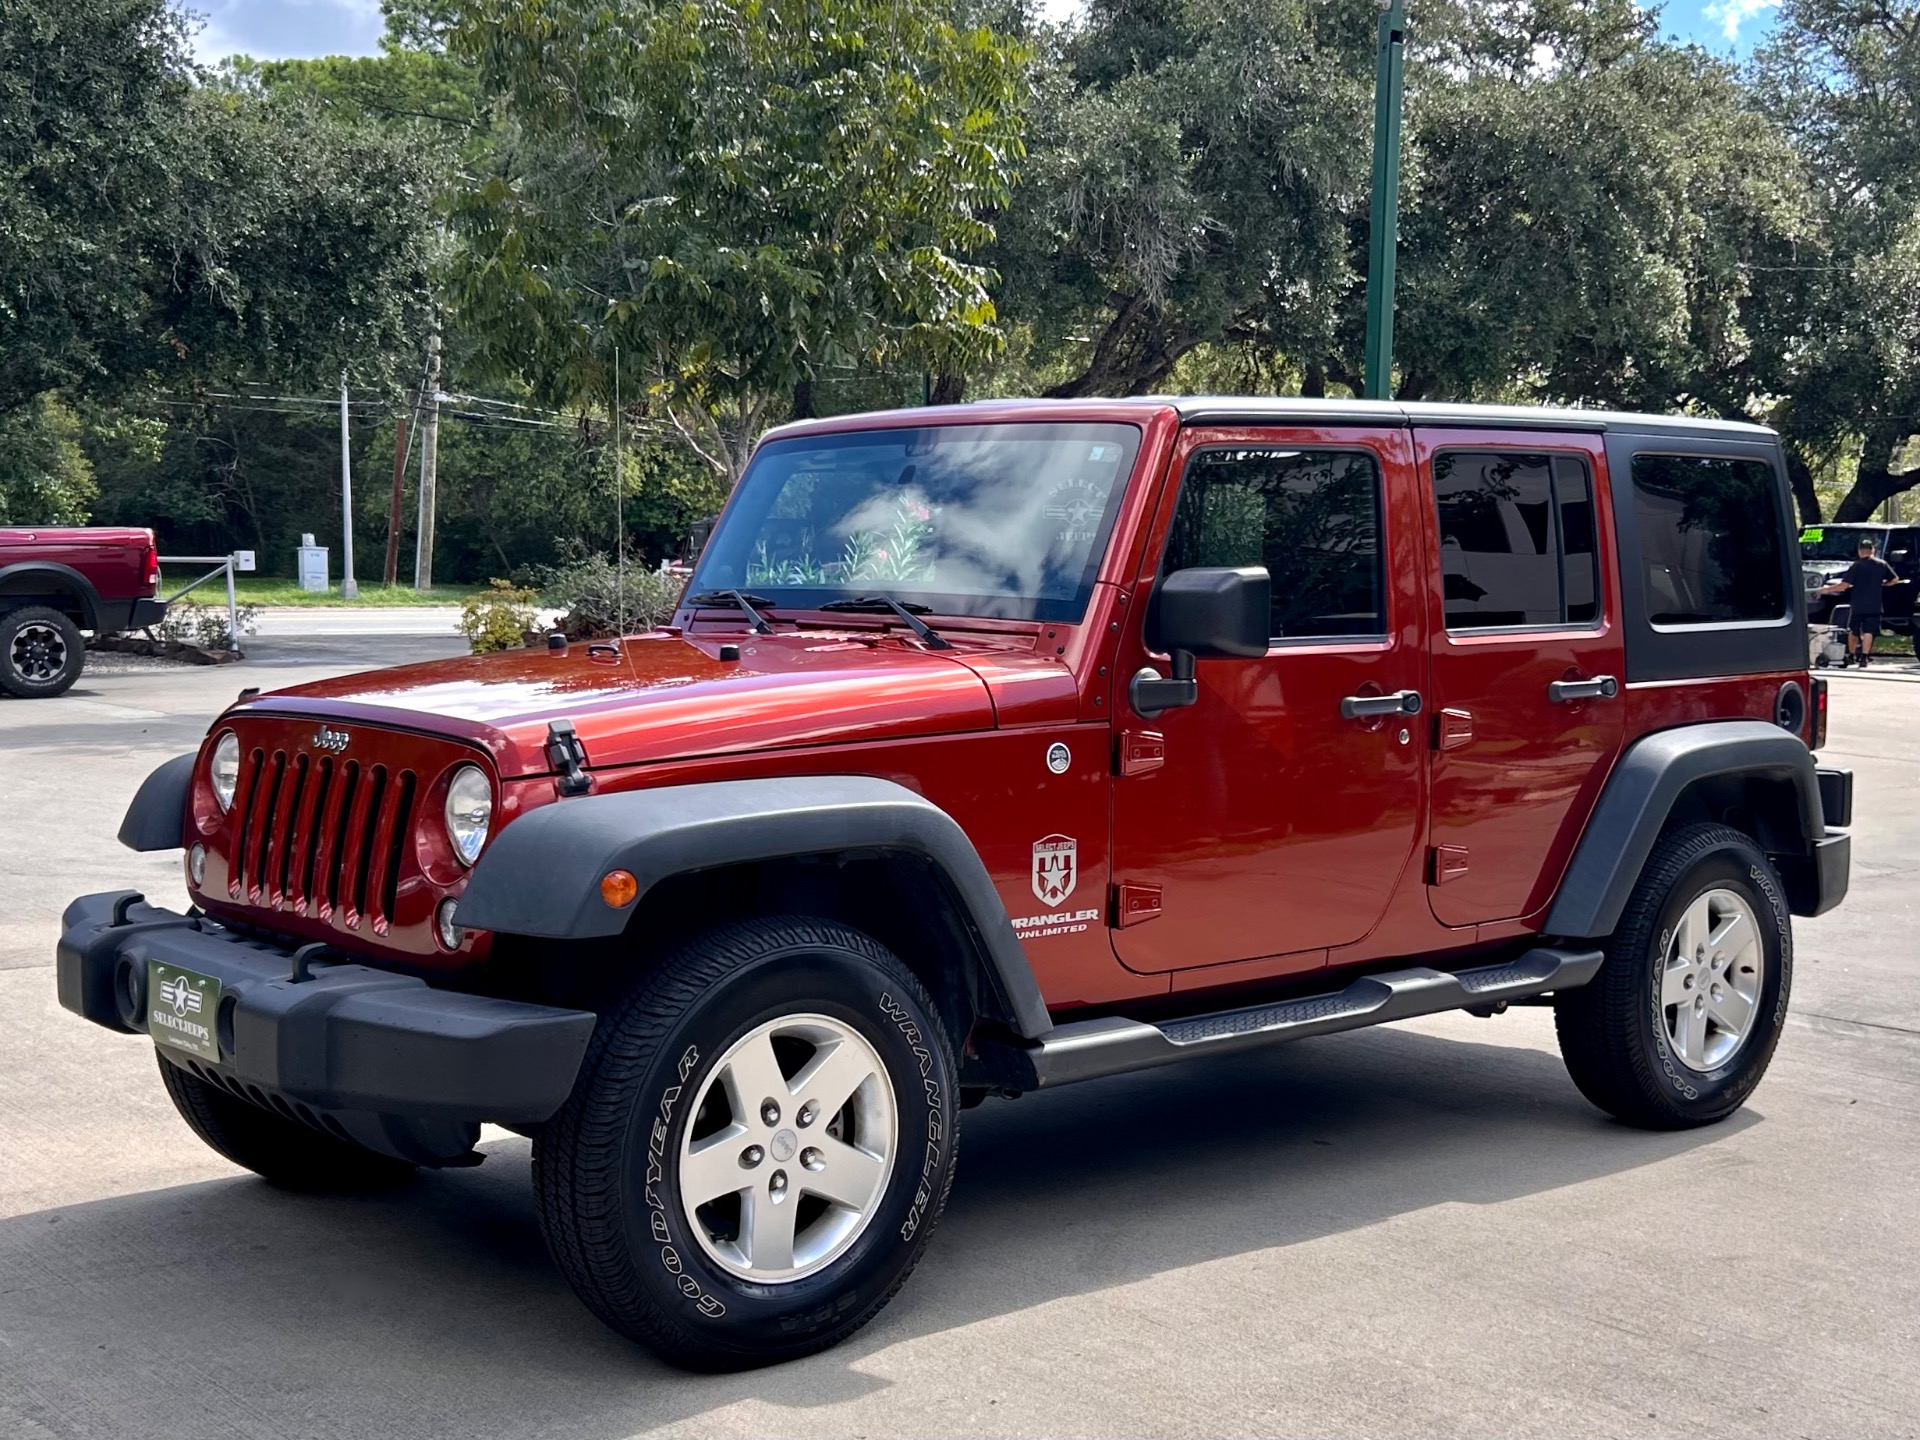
(392, 572)
(429, 471)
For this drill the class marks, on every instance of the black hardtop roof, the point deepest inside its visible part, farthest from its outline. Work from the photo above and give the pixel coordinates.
(1223, 409)
(1299, 410)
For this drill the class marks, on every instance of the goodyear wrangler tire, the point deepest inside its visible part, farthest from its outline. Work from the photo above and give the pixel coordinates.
(277, 1149)
(1679, 1025)
(759, 1143)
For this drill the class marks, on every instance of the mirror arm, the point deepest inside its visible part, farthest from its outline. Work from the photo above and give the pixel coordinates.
(1151, 694)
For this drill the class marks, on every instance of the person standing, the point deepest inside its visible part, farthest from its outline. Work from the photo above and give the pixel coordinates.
(1863, 583)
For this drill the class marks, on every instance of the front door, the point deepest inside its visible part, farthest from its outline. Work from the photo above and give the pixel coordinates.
(1262, 821)
(1528, 687)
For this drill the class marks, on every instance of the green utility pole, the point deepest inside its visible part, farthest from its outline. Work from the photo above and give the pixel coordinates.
(1384, 236)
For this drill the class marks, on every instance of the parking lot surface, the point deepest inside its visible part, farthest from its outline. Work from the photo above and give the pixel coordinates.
(1416, 1230)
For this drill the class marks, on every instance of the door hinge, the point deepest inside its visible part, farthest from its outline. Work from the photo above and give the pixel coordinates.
(1140, 751)
(1134, 903)
(1455, 729)
(1449, 862)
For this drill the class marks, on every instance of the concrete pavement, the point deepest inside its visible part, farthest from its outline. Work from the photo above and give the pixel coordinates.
(1421, 1229)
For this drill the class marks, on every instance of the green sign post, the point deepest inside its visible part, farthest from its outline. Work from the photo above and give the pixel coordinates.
(1389, 74)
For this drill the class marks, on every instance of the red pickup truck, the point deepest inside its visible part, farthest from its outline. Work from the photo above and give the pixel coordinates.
(55, 584)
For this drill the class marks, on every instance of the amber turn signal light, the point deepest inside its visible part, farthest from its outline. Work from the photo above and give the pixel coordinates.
(618, 887)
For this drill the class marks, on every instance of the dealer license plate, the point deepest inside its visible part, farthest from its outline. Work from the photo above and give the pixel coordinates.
(181, 1005)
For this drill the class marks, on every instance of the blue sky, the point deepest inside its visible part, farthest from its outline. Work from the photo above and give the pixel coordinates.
(290, 29)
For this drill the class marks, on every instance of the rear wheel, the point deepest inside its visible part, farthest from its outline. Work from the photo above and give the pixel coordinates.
(277, 1149)
(757, 1148)
(1680, 1024)
(41, 652)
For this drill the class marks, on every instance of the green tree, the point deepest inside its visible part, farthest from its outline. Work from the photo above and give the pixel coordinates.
(1193, 170)
(45, 477)
(1843, 78)
(743, 198)
(154, 230)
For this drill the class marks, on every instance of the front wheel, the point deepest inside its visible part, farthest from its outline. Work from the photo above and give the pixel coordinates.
(1679, 1025)
(760, 1140)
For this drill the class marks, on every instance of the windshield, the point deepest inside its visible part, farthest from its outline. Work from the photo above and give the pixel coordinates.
(1834, 543)
(992, 520)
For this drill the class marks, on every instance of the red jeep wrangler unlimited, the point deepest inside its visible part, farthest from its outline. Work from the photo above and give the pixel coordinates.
(998, 747)
(55, 583)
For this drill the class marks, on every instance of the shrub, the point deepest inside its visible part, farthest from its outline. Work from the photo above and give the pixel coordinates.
(497, 619)
(588, 591)
(188, 622)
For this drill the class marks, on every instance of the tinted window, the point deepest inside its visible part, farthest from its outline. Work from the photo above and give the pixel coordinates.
(1312, 517)
(1516, 539)
(1003, 520)
(1710, 533)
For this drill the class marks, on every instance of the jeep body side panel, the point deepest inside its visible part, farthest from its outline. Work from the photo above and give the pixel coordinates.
(1641, 794)
(1694, 651)
(541, 875)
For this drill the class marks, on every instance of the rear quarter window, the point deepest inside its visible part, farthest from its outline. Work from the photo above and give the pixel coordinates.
(1711, 540)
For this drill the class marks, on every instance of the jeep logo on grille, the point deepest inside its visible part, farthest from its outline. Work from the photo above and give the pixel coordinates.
(334, 740)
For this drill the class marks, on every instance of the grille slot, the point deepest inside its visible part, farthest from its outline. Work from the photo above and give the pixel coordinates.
(321, 836)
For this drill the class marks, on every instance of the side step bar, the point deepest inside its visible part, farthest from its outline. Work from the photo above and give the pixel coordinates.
(1113, 1045)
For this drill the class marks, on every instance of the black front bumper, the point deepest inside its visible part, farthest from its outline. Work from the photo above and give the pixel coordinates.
(385, 1058)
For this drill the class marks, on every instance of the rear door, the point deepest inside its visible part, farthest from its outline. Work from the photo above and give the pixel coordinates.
(1526, 645)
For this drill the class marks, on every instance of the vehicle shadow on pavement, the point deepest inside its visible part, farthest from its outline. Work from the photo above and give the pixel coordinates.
(229, 1307)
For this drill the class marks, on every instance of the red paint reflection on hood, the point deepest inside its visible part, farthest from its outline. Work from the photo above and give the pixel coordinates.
(664, 696)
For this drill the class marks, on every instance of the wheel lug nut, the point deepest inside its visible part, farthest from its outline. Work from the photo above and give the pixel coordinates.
(778, 1184)
(812, 1159)
(1686, 982)
(751, 1156)
(769, 1113)
(807, 1113)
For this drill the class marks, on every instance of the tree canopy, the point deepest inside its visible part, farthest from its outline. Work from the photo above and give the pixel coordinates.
(773, 208)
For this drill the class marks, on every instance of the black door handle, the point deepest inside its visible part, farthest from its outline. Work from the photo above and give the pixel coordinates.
(1601, 687)
(1371, 707)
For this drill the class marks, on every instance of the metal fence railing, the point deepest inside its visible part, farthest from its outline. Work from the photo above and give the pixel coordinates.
(223, 565)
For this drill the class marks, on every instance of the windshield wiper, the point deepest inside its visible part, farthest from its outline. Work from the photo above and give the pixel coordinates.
(876, 604)
(740, 602)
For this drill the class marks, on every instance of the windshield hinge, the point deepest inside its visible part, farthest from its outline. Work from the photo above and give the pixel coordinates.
(568, 757)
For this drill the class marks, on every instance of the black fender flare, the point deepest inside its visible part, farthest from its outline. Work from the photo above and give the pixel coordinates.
(540, 876)
(59, 577)
(157, 818)
(1639, 797)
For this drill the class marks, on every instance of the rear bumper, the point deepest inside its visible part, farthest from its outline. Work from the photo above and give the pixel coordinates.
(363, 1045)
(111, 617)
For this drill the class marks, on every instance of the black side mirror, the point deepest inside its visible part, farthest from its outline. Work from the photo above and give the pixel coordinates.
(1203, 613)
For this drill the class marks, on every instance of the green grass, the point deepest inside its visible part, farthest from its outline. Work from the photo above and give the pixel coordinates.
(268, 590)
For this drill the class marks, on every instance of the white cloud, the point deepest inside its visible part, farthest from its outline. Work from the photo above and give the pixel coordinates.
(1730, 15)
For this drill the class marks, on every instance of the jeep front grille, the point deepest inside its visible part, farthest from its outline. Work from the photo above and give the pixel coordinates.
(319, 835)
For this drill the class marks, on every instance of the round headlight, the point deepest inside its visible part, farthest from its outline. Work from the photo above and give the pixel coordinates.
(469, 812)
(225, 770)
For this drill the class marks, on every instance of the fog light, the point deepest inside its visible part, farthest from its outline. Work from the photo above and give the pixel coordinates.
(618, 887)
(197, 865)
(451, 935)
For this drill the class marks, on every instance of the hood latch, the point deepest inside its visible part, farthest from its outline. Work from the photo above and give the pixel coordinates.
(569, 757)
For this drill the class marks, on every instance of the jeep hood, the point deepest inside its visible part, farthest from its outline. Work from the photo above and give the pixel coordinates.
(662, 697)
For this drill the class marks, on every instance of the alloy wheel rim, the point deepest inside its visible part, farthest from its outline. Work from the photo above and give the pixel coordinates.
(39, 653)
(1710, 980)
(791, 1144)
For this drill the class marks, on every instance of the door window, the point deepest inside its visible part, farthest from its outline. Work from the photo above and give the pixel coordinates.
(1312, 517)
(1517, 545)
(1710, 540)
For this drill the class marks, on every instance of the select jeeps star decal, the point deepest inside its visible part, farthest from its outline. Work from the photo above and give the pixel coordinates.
(334, 740)
(1056, 868)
